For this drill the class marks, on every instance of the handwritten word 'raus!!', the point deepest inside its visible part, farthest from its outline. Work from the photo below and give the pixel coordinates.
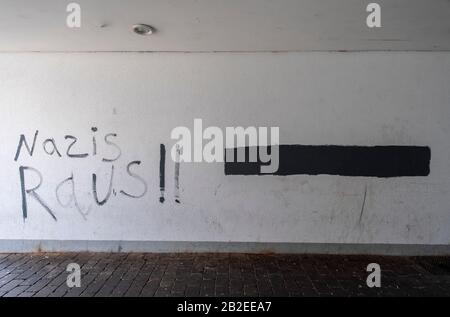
(69, 149)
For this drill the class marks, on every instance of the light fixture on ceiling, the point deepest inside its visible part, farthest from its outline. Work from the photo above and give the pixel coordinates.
(143, 29)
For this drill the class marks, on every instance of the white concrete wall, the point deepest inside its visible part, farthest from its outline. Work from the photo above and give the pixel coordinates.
(356, 98)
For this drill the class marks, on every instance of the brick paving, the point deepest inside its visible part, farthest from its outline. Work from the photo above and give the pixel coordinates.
(201, 274)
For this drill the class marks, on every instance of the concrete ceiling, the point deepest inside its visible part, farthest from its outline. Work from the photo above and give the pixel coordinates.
(225, 25)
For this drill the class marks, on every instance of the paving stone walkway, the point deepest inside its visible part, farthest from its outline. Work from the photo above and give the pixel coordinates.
(202, 274)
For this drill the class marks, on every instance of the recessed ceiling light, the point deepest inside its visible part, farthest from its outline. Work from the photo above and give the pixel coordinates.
(143, 29)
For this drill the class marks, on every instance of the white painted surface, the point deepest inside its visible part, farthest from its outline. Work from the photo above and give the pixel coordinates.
(315, 98)
(225, 25)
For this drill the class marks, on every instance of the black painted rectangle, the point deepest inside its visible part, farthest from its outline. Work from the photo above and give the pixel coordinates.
(370, 161)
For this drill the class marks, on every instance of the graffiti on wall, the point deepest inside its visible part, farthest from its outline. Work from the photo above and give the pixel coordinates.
(70, 150)
(263, 156)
